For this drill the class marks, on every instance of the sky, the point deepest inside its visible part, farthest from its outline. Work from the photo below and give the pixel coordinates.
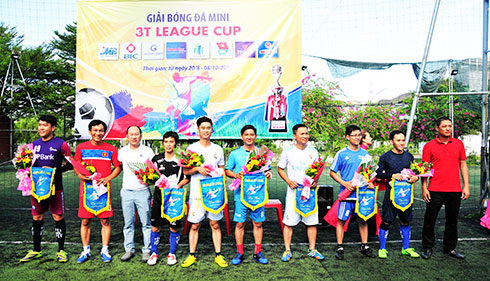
(354, 30)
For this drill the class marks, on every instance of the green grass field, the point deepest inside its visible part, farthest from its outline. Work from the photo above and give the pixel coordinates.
(16, 240)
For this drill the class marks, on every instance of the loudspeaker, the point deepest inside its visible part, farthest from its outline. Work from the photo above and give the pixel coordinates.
(325, 202)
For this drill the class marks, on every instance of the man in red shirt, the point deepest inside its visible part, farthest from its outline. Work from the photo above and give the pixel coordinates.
(448, 158)
(95, 200)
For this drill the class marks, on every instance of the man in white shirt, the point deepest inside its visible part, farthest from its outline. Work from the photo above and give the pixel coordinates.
(213, 154)
(135, 195)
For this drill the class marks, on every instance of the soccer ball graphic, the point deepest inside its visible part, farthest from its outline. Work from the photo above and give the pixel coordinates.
(89, 105)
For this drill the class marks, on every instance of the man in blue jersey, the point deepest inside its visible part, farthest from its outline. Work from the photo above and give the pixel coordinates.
(50, 151)
(233, 169)
(390, 165)
(346, 161)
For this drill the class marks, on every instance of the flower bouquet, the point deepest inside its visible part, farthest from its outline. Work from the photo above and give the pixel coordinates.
(366, 173)
(148, 174)
(312, 174)
(191, 159)
(420, 169)
(24, 159)
(258, 161)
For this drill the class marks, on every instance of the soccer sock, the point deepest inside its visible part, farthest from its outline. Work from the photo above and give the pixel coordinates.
(217, 254)
(383, 235)
(405, 233)
(60, 229)
(192, 254)
(155, 240)
(340, 246)
(174, 241)
(105, 249)
(239, 248)
(258, 248)
(37, 234)
(86, 249)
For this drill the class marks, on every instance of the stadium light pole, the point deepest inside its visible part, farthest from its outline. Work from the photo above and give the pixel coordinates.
(421, 73)
(484, 109)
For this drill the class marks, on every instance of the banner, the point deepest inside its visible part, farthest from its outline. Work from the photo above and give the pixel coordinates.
(366, 202)
(42, 182)
(253, 193)
(92, 201)
(213, 194)
(163, 64)
(401, 194)
(173, 203)
(305, 207)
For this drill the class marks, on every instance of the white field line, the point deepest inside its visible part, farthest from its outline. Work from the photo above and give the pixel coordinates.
(264, 244)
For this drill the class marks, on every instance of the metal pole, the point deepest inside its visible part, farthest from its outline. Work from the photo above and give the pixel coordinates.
(451, 98)
(25, 86)
(484, 112)
(421, 73)
(5, 80)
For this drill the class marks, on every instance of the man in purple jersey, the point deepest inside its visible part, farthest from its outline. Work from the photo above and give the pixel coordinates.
(50, 152)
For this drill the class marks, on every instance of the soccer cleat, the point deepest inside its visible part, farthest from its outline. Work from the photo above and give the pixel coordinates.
(382, 253)
(31, 255)
(410, 252)
(171, 259)
(106, 257)
(190, 260)
(83, 257)
(260, 258)
(286, 256)
(367, 252)
(62, 256)
(339, 254)
(153, 259)
(237, 259)
(220, 260)
(316, 255)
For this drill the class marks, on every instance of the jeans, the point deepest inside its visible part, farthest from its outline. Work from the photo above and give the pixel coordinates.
(140, 200)
(451, 201)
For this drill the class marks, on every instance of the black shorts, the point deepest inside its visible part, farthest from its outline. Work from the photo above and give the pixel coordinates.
(156, 212)
(390, 212)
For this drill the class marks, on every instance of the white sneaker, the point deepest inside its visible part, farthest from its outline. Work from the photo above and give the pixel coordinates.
(171, 259)
(153, 259)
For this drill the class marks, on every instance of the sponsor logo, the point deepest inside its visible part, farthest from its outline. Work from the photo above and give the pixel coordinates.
(198, 50)
(244, 49)
(153, 51)
(268, 49)
(52, 149)
(108, 51)
(222, 50)
(131, 51)
(46, 157)
(176, 50)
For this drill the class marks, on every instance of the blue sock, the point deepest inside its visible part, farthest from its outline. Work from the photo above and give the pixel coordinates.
(405, 233)
(383, 235)
(155, 240)
(174, 241)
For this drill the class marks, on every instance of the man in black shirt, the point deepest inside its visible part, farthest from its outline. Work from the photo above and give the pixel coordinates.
(168, 166)
(390, 165)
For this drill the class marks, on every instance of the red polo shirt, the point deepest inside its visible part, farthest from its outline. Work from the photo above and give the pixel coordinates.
(445, 159)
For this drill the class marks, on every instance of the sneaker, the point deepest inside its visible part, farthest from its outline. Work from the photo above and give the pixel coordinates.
(316, 255)
(153, 259)
(382, 253)
(85, 256)
(171, 259)
(410, 252)
(127, 256)
(367, 252)
(220, 260)
(106, 257)
(62, 256)
(145, 257)
(339, 254)
(260, 258)
(286, 256)
(31, 255)
(190, 260)
(237, 259)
